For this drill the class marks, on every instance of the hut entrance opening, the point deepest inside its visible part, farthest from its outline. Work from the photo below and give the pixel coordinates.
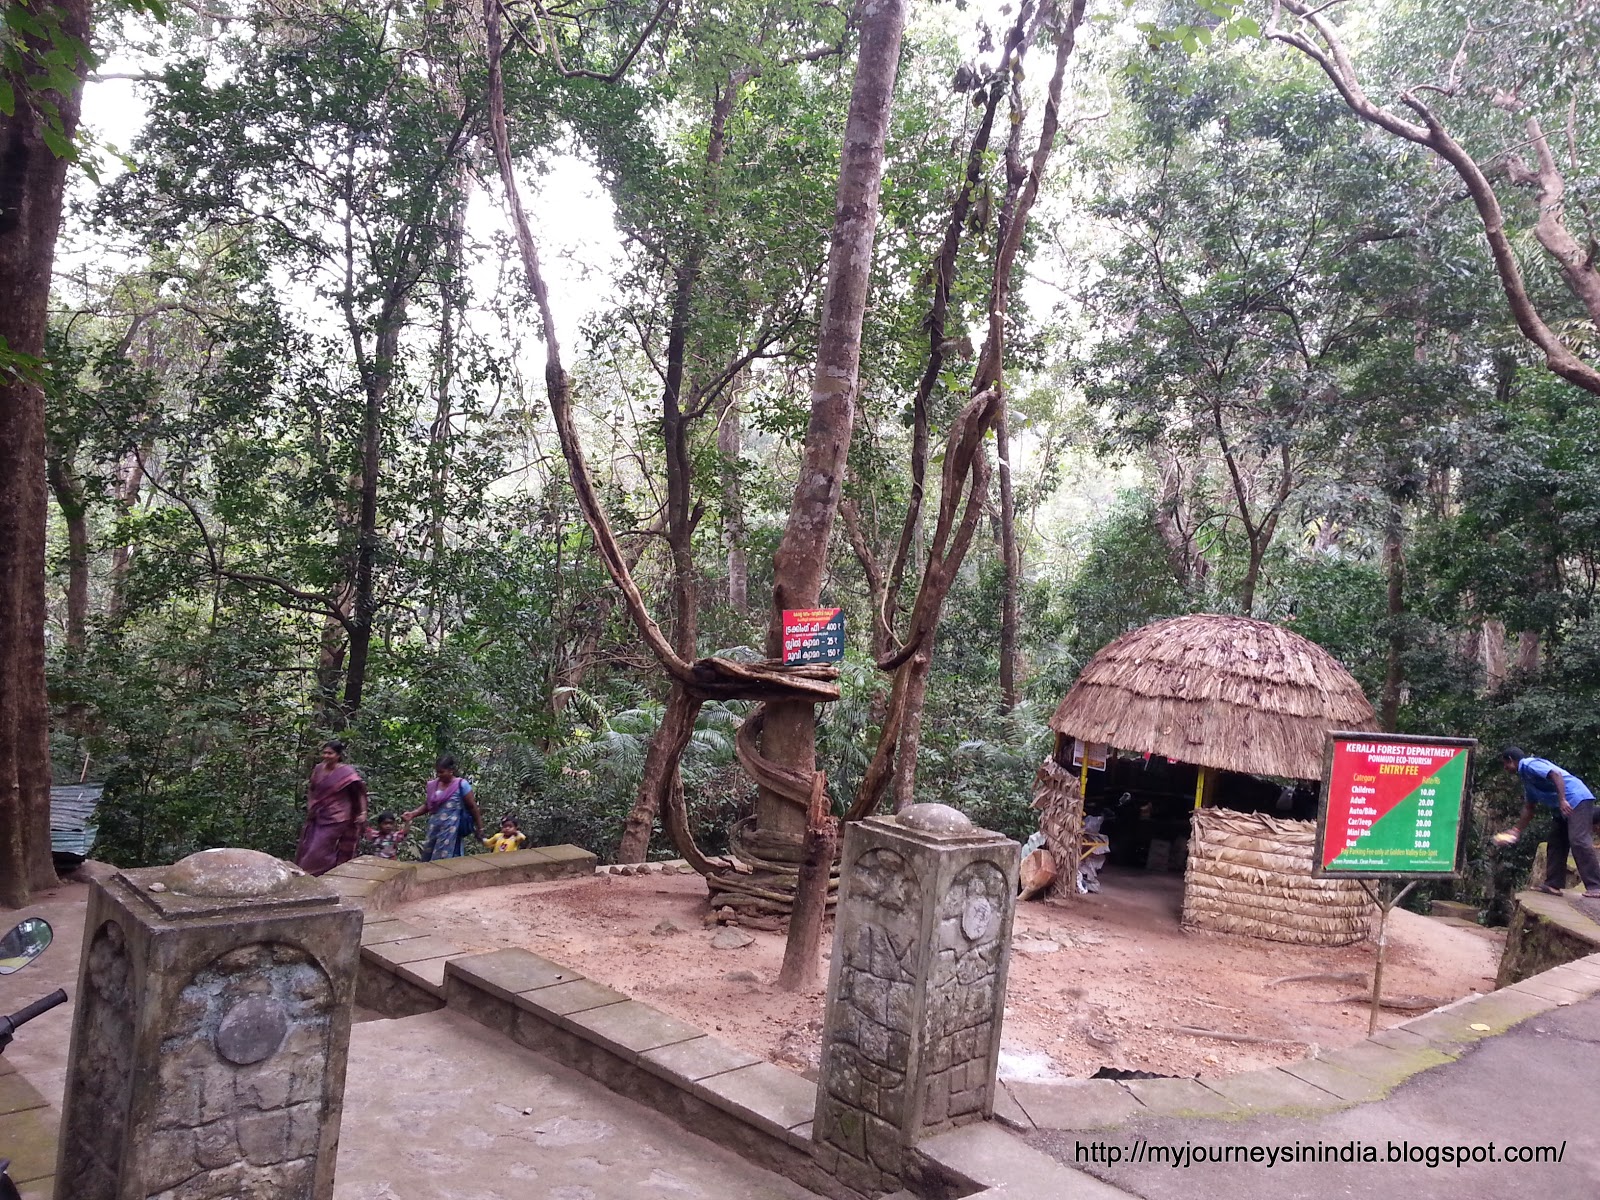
(1142, 805)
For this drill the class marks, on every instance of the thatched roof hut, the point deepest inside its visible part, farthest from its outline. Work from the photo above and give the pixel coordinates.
(1224, 692)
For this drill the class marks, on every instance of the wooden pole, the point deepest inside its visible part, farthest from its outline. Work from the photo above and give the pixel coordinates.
(1384, 907)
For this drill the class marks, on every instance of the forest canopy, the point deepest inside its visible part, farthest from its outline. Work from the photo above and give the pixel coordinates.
(1266, 309)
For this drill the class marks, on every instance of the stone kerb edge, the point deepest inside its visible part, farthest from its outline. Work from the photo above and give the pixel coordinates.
(27, 1131)
(1545, 931)
(1358, 1074)
(403, 984)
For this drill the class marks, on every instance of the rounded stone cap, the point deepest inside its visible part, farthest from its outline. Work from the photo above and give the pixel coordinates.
(231, 874)
(940, 820)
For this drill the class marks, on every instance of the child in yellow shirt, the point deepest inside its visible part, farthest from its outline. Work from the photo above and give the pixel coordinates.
(509, 838)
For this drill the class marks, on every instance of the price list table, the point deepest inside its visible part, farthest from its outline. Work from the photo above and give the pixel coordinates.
(1392, 807)
(813, 635)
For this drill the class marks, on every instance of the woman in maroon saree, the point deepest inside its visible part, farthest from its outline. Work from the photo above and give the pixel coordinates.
(336, 812)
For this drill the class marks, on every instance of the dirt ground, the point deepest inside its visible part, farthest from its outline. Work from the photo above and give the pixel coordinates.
(1102, 982)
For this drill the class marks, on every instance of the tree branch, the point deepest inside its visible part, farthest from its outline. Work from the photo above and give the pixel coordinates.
(1330, 53)
(581, 73)
(557, 383)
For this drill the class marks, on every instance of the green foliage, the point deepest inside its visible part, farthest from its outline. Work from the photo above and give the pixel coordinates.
(1282, 326)
(201, 739)
(1123, 581)
(41, 61)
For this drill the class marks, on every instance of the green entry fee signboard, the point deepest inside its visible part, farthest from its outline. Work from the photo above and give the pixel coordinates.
(1391, 806)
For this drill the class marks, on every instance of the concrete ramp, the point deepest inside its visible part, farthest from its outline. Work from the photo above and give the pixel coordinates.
(439, 1108)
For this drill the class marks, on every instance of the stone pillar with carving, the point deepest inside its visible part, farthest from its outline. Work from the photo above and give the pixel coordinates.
(211, 1033)
(921, 944)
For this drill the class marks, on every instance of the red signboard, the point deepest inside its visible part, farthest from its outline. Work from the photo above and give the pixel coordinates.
(1392, 805)
(813, 635)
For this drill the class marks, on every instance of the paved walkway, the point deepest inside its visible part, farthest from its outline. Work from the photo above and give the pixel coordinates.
(40, 1050)
(1537, 1084)
(437, 1107)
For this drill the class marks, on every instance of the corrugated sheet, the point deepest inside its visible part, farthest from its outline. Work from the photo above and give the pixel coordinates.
(72, 824)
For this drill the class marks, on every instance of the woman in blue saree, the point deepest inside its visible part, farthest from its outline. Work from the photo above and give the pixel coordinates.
(452, 812)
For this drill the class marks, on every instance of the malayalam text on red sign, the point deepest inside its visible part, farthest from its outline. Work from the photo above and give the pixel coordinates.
(813, 635)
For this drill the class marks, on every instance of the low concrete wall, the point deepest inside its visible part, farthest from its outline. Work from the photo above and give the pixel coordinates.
(402, 971)
(1546, 931)
(379, 884)
(758, 1110)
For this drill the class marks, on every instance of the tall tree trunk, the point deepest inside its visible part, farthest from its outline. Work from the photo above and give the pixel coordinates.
(1189, 566)
(682, 515)
(916, 699)
(74, 506)
(938, 345)
(789, 733)
(1528, 642)
(32, 182)
(441, 431)
(1258, 532)
(877, 587)
(1256, 549)
(1011, 556)
(128, 494)
(680, 468)
(703, 678)
(800, 970)
(332, 646)
(377, 376)
(730, 444)
(1494, 655)
(965, 476)
(660, 772)
(1395, 567)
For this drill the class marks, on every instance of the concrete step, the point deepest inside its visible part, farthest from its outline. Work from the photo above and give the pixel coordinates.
(1004, 1166)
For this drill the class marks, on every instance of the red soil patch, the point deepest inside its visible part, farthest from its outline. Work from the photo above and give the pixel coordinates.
(1122, 976)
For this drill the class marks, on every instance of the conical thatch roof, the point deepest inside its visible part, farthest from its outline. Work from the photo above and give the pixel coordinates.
(1224, 692)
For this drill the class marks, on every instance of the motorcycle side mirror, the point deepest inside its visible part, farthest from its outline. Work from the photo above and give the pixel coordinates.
(24, 944)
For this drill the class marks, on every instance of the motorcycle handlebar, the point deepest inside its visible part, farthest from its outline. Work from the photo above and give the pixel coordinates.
(38, 1007)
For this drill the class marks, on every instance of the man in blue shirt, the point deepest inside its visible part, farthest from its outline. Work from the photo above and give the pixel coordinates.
(1572, 830)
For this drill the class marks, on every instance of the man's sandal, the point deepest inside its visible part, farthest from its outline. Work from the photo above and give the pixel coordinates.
(1548, 890)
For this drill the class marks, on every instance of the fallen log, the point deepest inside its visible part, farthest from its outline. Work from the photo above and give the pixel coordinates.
(1324, 977)
(1222, 1036)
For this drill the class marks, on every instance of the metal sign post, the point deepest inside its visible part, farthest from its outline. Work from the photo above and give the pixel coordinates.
(1393, 807)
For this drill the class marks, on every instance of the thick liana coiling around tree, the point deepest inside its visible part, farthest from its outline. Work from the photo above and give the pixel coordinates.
(763, 868)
